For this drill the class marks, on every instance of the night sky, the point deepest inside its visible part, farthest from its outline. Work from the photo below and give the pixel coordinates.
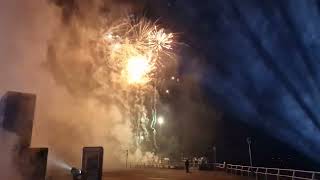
(259, 66)
(248, 68)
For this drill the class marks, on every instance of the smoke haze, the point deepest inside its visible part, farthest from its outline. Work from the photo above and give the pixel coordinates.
(65, 120)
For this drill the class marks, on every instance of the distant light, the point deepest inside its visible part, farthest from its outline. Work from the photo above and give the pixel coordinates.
(142, 137)
(167, 91)
(173, 78)
(160, 120)
(178, 80)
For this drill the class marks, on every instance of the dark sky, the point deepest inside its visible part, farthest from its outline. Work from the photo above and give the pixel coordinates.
(260, 66)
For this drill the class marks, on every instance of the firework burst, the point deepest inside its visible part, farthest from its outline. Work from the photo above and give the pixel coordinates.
(136, 49)
(133, 54)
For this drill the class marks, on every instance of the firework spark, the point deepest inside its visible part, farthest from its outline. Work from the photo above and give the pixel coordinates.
(136, 49)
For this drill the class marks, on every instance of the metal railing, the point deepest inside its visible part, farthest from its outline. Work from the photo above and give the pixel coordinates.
(257, 172)
(264, 172)
(173, 165)
(158, 165)
(220, 165)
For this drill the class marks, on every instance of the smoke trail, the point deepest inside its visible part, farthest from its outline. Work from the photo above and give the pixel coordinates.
(154, 119)
(58, 163)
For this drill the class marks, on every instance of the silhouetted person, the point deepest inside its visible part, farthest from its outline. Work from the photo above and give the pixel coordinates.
(187, 165)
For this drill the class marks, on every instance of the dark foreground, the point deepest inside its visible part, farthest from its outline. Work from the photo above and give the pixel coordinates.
(165, 174)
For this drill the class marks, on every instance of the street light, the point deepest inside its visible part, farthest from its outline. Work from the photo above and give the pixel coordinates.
(249, 146)
(160, 120)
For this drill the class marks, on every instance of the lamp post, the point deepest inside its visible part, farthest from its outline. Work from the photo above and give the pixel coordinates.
(249, 146)
(214, 154)
(214, 150)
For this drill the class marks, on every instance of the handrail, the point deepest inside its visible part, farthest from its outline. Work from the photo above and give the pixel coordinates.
(277, 172)
(241, 170)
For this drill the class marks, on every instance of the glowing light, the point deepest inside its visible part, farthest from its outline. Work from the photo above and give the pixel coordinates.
(137, 68)
(160, 120)
(142, 137)
(167, 91)
(172, 78)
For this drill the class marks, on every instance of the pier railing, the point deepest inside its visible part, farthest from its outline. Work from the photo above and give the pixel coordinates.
(258, 173)
(272, 173)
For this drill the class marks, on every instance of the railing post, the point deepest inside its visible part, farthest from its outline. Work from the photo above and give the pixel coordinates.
(233, 169)
(241, 171)
(278, 174)
(313, 175)
(237, 167)
(293, 174)
(236, 172)
(266, 173)
(257, 173)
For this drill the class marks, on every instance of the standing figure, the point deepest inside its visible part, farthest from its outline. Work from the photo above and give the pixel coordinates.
(187, 165)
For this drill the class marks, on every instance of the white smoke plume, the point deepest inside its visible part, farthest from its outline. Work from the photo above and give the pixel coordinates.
(65, 120)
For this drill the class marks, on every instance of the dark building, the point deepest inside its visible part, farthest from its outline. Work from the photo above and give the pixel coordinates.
(17, 113)
(92, 162)
(16, 116)
(32, 163)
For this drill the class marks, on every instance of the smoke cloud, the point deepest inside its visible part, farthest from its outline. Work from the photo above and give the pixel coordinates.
(68, 117)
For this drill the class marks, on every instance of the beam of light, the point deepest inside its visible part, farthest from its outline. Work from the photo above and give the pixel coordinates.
(296, 121)
(59, 163)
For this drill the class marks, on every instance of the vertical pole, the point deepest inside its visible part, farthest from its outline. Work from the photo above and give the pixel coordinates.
(214, 156)
(250, 155)
(127, 154)
(249, 145)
